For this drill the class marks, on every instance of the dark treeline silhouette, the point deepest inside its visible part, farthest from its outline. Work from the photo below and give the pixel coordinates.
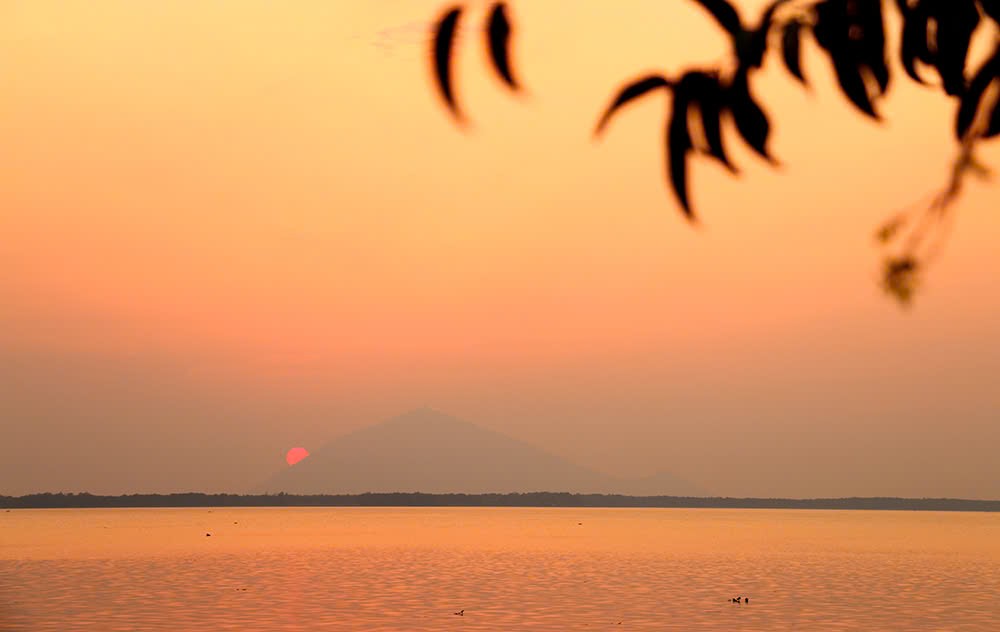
(531, 499)
(852, 35)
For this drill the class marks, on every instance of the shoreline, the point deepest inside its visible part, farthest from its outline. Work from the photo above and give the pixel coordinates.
(531, 499)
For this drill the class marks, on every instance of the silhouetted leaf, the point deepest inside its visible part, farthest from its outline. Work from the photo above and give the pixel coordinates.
(852, 83)
(987, 74)
(443, 40)
(711, 120)
(750, 119)
(853, 35)
(631, 91)
(678, 146)
(872, 40)
(704, 91)
(913, 44)
(791, 49)
(756, 44)
(901, 277)
(938, 33)
(956, 21)
(499, 43)
(725, 14)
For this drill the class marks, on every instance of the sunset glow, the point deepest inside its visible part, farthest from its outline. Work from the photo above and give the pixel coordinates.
(622, 315)
(278, 229)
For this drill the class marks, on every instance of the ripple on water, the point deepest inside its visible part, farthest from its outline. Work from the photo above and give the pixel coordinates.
(503, 586)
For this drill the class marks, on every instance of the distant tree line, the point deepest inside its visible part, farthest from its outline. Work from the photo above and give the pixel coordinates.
(530, 499)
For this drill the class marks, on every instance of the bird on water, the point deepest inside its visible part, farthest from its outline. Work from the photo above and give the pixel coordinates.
(460, 613)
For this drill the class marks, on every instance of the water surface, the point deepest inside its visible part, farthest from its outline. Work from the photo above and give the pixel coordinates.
(508, 568)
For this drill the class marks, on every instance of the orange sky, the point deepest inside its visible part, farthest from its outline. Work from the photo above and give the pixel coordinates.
(231, 228)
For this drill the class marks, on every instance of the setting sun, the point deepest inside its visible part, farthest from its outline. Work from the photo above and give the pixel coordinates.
(295, 455)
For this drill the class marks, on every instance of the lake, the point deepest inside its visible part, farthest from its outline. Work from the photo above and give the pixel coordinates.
(508, 568)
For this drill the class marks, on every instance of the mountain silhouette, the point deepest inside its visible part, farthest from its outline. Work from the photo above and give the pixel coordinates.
(428, 451)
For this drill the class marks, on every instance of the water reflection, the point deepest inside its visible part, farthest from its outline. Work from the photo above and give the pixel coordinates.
(343, 569)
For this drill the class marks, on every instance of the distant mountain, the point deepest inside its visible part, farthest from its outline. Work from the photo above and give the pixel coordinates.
(428, 451)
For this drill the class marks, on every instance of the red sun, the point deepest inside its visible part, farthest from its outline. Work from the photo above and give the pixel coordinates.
(295, 455)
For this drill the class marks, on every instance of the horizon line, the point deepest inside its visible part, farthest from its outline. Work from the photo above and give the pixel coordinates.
(73, 500)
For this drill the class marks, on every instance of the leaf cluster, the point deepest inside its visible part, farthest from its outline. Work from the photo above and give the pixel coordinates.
(936, 34)
(852, 35)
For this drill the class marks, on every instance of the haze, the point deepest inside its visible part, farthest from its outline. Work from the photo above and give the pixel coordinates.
(231, 228)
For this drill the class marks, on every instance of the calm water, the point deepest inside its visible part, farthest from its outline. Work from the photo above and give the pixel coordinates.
(510, 569)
